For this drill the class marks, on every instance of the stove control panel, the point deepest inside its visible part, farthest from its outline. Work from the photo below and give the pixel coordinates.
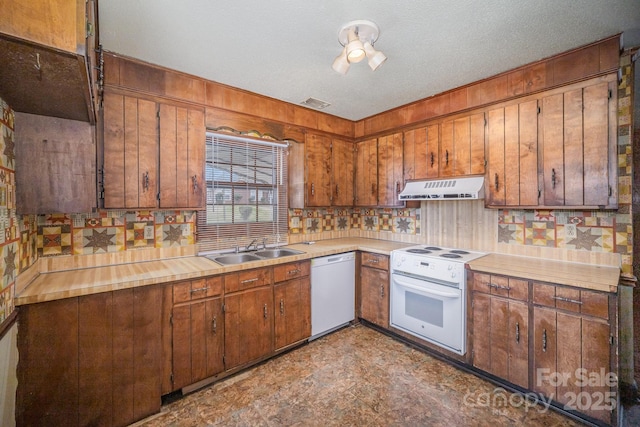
(428, 267)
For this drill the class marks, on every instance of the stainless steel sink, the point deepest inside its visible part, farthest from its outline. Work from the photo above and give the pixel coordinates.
(277, 253)
(239, 258)
(234, 258)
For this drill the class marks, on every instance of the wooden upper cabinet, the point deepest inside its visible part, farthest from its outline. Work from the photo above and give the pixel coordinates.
(366, 179)
(130, 152)
(468, 145)
(578, 147)
(420, 152)
(390, 170)
(318, 170)
(342, 170)
(446, 149)
(512, 146)
(182, 152)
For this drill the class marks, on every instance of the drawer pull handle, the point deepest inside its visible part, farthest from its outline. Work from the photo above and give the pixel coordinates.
(255, 279)
(193, 291)
(265, 311)
(372, 261)
(433, 159)
(544, 340)
(282, 307)
(506, 288)
(214, 325)
(194, 183)
(573, 301)
(496, 182)
(296, 271)
(446, 157)
(145, 181)
(313, 189)
(337, 190)
(553, 178)
(382, 291)
(518, 332)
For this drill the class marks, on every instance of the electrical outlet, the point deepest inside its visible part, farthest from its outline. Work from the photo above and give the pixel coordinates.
(149, 232)
(186, 229)
(570, 231)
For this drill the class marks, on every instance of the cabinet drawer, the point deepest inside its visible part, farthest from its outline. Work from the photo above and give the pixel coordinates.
(375, 260)
(570, 299)
(247, 279)
(290, 271)
(196, 289)
(509, 287)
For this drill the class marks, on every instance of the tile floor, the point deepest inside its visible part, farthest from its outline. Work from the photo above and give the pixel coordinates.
(354, 377)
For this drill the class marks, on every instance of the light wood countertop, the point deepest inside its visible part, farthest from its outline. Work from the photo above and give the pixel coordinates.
(54, 285)
(86, 281)
(594, 277)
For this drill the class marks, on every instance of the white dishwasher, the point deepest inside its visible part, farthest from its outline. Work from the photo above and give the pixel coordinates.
(333, 292)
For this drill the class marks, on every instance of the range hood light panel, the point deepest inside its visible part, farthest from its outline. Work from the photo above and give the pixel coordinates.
(449, 189)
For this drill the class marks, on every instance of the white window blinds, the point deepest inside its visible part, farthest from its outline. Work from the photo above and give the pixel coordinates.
(246, 183)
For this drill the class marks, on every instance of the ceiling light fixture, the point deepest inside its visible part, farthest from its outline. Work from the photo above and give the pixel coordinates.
(358, 38)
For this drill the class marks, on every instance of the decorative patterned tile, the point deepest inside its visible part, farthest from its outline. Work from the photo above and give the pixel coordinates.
(54, 240)
(404, 222)
(342, 220)
(140, 234)
(168, 235)
(540, 233)
(6, 302)
(98, 240)
(385, 221)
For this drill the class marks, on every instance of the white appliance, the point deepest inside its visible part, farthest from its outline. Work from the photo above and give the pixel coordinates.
(470, 187)
(333, 292)
(428, 294)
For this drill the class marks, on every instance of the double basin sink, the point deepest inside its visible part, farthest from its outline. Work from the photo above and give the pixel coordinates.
(239, 258)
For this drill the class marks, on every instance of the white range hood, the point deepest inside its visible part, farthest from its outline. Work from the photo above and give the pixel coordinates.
(471, 187)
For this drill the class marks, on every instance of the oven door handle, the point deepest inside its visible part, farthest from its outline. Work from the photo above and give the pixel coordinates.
(427, 291)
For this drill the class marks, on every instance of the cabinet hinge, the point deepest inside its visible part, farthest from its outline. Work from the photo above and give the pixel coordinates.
(539, 193)
(611, 339)
(158, 196)
(101, 195)
(224, 308)
(610, 94)
(610, 191)
(485, 119)
(485, 163)
(539, 110)
(171, 320)
(224, 360)
(171, 377)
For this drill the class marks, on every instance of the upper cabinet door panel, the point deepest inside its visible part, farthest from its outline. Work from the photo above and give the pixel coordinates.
(552, 153)
(390, 170)
(366, 180)
(599, 128)
(446, 149)
(318, 170)
(342, 172)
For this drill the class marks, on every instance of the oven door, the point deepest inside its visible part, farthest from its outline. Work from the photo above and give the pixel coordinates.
(429, 310)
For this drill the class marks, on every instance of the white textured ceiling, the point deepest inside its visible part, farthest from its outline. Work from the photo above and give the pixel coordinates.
(284, 48)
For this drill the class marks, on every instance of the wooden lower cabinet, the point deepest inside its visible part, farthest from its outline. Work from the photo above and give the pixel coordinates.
(500, 327)
(100, 368)
(374, 289)
(555, 340)
(572, 362)
(292, 302)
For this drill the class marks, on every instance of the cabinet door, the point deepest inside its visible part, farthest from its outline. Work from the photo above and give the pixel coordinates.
(390, 172)
(468, 145)
(292, 311)
(512, 172)
(214, 336)
(433, 151)
(544, 350)
(248, 319)
(342, 172)
(366, 180)
(47, 391)
(318, 170)
(518, 343)
(182, 145)
(446, 149)
(481, 332)
(374, 305)
(414, 156)
(130, 152)
(495, 178)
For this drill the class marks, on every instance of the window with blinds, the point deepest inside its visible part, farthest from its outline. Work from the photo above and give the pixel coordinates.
(246, 181)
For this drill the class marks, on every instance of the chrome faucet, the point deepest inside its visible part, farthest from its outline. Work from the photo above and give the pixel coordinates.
(253, 243)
